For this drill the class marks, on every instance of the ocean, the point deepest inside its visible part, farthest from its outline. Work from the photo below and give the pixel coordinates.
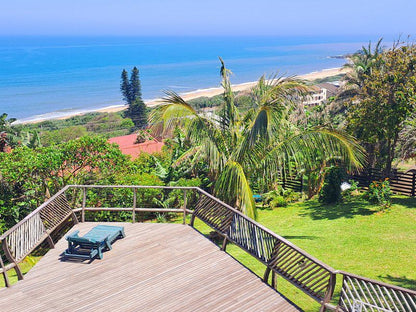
(47, 77)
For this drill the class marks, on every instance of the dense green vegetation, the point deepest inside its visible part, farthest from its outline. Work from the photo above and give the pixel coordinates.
(56, 131)
(379, 100)
(247, 149)
(236, 144)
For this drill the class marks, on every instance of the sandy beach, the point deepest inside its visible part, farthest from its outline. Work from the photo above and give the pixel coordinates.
(210, 92)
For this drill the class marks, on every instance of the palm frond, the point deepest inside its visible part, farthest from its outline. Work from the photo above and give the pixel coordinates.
(175, 111)
(233, 187)
(306, 148)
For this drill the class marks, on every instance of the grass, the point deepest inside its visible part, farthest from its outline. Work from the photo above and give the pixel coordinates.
(352, 236)
(24, 266)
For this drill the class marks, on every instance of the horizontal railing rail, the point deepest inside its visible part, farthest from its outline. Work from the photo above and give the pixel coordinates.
(279, 255)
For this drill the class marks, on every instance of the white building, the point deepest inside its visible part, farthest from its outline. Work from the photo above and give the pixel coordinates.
(320, 93)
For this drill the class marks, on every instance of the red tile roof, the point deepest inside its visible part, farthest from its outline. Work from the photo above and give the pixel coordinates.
(128, 147)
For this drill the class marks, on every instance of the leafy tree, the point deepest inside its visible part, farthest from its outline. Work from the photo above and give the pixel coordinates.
(407, 139)
(237, 145)
(15, 135)
(29, 176)
(378, 113)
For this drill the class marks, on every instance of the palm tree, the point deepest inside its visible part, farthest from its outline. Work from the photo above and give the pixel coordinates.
(361, 64)
(238, 145)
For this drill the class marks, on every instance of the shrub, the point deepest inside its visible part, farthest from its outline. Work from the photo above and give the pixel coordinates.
(280, 197)
(278, 201)
(379, 192)
(331, 190)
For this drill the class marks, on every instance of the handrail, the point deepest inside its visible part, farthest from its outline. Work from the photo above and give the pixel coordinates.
(5, 234)
(373, 281)
(360, 293)
(265, 229)
(280, 256)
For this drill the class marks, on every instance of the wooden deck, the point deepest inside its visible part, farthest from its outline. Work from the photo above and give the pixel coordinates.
(157, 267)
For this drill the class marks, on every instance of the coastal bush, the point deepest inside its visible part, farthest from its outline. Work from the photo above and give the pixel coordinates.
(57, 131)
(206, 102)
(59, 136)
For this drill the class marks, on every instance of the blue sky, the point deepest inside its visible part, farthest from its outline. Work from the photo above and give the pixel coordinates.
(207, 17)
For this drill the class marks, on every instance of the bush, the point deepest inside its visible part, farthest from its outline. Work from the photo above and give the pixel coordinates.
(280, 197)
(278, 201)
(379, 193)
(331, 190)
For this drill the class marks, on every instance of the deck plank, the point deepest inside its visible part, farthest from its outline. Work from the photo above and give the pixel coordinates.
(157, 267)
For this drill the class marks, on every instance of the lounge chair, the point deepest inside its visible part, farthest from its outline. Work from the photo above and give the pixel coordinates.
(94, 242)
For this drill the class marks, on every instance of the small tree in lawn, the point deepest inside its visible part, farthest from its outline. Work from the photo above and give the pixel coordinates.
(132, 94)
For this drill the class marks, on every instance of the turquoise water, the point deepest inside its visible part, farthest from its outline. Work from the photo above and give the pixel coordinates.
(53, 76)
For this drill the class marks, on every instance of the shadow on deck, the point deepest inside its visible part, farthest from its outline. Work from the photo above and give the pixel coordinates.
(157, 267)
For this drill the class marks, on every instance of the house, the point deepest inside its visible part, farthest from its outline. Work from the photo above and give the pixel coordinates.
(129, 147)
(320, 93)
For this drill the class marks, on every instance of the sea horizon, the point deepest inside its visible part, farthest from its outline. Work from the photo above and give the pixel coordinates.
(51, 77)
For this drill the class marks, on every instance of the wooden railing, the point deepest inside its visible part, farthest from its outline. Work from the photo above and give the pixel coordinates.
(20, 240)
(280, 256)
(363, 294)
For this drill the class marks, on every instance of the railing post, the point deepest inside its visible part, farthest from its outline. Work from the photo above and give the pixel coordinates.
(274, 280)
(50, 241)
(9, 256)
(84, 200)
(184, 207)
(224, 243)
(329, 292)
(266, 275)
(5, 276)
(73, 215)
(134, 204)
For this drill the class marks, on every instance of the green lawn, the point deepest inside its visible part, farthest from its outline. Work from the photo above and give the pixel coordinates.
(352, 236)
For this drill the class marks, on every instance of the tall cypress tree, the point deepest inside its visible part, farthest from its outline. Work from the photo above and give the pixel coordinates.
(125, 86)
(138, 113)
(135, 87)
(132, 94)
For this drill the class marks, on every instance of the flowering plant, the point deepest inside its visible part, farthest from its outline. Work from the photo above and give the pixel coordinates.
(379, 192)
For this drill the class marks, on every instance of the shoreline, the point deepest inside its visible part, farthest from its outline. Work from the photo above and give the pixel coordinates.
(208, 92)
